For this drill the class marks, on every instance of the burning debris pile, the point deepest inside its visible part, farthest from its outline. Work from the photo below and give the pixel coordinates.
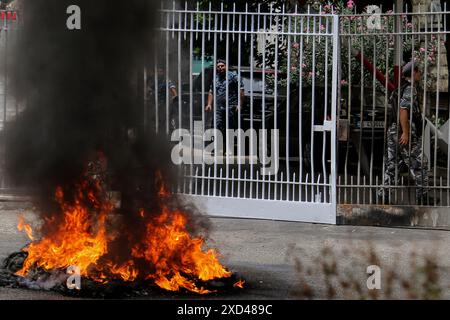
(84, 233)
(83, 109)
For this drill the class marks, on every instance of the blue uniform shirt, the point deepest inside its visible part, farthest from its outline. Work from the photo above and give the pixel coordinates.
(221, 90)
(409, 98)
(161, 88)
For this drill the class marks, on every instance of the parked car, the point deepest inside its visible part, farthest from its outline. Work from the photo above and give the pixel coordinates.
(367, 127)
(361, 134)
(295, 126)
(259, 97)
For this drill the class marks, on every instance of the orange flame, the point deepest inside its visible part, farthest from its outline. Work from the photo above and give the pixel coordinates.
(72, 243)
(80, 238)
(23, 226)
(239, 284)
(169, 247)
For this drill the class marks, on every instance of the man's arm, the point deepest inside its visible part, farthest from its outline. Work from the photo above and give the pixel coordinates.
(404, 123)
(210, 101)
(173, 89)
(174, 92)
(242, 93)
(406, 102)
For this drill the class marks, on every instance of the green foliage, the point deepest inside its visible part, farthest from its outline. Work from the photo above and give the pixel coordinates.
(311, 56)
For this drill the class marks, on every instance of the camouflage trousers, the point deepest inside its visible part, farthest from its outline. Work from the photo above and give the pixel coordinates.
(398, 155)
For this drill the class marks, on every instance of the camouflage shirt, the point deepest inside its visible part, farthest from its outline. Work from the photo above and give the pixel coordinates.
(161, 87)
(409, 98)
(221, 90)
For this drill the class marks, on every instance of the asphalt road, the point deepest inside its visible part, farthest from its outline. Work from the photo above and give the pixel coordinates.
(264, 253)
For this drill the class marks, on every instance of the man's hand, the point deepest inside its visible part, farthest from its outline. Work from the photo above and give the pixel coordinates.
(404, 139)
(238, 108)
(208, 108)
(404, 122)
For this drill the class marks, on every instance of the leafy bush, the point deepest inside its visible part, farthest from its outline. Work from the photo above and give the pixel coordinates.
(311, 56)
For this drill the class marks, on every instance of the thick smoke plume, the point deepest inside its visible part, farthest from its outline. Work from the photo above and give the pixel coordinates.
(83, 92)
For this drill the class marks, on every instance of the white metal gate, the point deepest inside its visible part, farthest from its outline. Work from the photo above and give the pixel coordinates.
(292, 71)
(277, 158)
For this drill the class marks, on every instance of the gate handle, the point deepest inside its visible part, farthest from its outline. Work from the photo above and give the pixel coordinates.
(327, 126)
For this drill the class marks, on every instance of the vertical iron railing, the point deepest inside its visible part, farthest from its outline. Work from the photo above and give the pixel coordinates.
(370, 68)
(292, 71)
(287, 112)
(9, 25)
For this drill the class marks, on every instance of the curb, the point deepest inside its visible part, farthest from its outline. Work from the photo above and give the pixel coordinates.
(394, 216)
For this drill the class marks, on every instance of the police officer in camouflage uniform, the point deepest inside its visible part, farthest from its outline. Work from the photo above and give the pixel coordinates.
(398, 150)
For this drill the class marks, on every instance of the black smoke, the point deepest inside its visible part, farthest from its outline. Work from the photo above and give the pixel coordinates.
(83, 91)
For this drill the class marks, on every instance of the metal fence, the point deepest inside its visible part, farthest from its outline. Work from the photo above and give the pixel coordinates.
(310, 130)
(373, 48)
(246, 161)
(9, 26)
(294, 51)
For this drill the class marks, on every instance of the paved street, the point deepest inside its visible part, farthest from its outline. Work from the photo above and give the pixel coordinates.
(263, 253)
